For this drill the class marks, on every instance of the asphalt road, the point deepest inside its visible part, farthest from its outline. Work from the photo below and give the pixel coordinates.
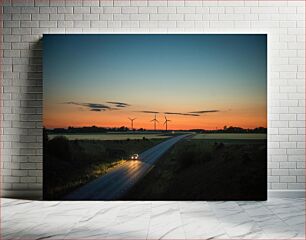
(120, 179)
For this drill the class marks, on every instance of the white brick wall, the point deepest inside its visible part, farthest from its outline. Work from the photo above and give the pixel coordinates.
(24, 22)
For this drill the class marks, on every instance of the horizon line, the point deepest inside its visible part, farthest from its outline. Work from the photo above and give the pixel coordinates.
(137, 129)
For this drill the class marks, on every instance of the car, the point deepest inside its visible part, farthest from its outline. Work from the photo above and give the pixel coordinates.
(135, 156)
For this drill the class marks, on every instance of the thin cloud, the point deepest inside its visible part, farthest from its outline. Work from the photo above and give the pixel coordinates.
(205, 111)
(91, 106)
(172, 113)
(119, 104)
(148, 111)
(182, 114)
(97, 106)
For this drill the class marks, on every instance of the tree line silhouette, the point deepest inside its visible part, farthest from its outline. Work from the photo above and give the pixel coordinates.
(95, 129)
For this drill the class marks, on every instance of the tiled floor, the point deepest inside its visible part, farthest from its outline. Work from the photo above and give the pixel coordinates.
(274, 219)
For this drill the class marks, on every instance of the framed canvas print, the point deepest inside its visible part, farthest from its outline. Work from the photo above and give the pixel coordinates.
(155, 116)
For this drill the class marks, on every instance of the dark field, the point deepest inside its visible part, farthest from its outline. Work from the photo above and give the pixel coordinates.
(69, 164)
(197, 169)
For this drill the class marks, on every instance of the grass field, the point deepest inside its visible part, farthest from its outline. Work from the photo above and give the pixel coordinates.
(110, 136)
(236, 136)
(69, 164)
(206, 169)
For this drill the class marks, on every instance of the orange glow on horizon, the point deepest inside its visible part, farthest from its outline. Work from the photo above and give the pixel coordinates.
(63, 117)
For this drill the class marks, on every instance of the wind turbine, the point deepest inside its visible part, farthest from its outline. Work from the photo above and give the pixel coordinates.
(155, 121)
(166, 122)
(132, 123)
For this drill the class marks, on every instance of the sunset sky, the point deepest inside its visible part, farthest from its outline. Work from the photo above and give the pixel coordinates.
(197, 81)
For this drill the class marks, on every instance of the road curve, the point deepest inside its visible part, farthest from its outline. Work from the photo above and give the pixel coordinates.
(120, 179)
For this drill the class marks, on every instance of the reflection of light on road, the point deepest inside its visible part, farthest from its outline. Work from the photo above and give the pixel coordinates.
(136, 163)
(134, 166)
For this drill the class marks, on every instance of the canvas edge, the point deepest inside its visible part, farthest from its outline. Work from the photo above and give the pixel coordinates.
(37, 194)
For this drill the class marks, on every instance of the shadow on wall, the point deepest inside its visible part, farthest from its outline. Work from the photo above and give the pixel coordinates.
(29, 155)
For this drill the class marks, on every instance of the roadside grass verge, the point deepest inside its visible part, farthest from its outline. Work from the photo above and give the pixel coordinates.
(69, 164)
(111, 136)
(231, 136)
(197, 169)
